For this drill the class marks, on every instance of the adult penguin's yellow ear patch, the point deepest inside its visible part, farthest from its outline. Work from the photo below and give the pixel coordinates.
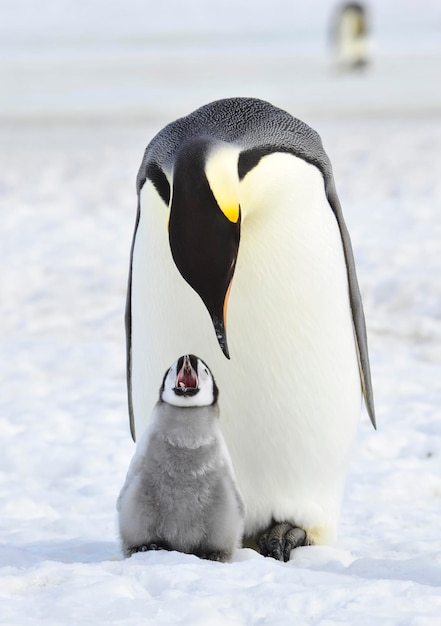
(222, 176)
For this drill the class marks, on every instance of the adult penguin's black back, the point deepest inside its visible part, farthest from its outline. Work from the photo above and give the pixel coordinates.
(238, 210)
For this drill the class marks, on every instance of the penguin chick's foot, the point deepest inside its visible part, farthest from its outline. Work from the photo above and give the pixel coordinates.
(214, 556)
(279, 539)
(211, 556)
(145, 548)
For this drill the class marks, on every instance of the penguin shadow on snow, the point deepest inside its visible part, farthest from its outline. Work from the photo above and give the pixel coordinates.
(180, 492)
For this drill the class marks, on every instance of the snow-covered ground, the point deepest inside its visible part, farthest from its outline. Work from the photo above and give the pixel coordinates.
(67, 208)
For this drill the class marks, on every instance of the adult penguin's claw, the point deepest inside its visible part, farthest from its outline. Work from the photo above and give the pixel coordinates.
(279, 539)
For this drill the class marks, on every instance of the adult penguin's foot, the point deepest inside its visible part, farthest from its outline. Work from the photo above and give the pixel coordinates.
(279, 539)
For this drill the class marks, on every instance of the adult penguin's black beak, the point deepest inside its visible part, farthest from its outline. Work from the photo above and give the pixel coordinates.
(204, 235)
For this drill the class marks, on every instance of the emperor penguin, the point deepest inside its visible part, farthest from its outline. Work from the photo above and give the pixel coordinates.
(180, 492)
(350, 34)
(238, 216)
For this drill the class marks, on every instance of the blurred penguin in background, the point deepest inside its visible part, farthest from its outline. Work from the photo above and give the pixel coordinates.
(350, 36)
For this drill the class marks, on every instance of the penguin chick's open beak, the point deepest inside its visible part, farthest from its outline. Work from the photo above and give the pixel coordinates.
(187, 383)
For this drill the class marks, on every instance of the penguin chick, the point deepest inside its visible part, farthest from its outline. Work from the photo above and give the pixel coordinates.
(180, 491)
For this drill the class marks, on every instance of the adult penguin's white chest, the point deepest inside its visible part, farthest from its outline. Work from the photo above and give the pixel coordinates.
(292, 390)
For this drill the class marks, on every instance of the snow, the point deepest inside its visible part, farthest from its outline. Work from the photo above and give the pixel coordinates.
(70, 152)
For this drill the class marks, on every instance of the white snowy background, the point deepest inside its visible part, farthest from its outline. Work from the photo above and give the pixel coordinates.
(83, 88)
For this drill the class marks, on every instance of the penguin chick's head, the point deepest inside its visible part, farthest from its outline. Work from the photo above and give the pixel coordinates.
(189, 383)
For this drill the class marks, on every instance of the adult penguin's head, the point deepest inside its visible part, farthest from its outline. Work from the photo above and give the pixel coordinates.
(204, 226)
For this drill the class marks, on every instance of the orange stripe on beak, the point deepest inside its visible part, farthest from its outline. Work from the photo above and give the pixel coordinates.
(227, 296)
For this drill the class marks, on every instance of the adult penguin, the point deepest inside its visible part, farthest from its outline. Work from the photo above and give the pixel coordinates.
(238, 211)
(350, 36)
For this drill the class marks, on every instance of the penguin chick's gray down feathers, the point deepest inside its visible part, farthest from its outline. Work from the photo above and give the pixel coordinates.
(180, 492)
